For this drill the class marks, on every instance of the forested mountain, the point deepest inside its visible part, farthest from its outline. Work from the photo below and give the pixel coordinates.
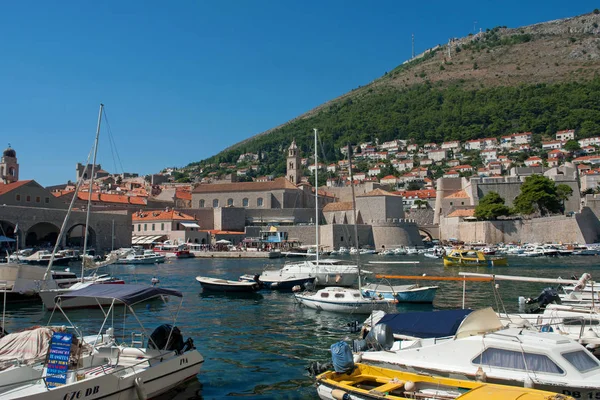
(540, 78)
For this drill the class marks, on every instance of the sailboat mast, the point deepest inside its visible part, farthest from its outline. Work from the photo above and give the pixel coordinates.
(354, 212)
(316, 199)
(89, 203)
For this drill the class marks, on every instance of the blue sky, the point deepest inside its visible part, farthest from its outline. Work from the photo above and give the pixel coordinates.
(183, 80)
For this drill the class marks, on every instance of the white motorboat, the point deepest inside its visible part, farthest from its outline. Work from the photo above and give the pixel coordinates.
(483, 350)
(344, 300)
(114, 371)
(402, 293)
(224, 285)
(328, 272)
(141, 257)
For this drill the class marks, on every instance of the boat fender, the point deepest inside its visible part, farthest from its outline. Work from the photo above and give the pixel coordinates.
(338, 278)
(339, 394)
(410, 386)
(528, 382)
(357, 357)
(296, 288)
(326, 278)
(480, 375)
(139, 388)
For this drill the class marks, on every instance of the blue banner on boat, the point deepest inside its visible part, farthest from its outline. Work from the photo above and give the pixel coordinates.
(58, 361)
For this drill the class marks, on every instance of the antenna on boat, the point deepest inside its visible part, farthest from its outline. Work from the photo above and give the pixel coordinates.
(89, 204)
(316, 200)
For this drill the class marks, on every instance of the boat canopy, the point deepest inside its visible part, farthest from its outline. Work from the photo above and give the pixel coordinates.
(127, 294)
(423, 325)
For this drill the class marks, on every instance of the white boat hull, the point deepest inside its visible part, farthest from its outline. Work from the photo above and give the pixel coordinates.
(120, 383)
(352, 303)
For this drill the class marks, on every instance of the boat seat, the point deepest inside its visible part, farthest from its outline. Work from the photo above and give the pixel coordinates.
(110, 354)
(388, 387)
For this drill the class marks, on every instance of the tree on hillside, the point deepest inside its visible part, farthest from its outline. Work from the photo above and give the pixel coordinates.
(572, 145)
(563, 192)
(421, 203)
(412, 185)
(538, 195)
(490, 207)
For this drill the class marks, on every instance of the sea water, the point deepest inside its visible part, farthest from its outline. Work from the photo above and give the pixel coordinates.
(258, 345)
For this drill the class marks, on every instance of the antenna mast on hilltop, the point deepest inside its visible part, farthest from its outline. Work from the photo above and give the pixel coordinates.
(449, 44)
(413, 46)
(474, 27)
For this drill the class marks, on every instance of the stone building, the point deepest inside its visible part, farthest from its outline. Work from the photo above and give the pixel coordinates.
(158, 226)
(32, 215)
(380, 216)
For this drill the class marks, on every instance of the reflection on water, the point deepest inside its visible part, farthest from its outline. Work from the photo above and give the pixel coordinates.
(257, 345)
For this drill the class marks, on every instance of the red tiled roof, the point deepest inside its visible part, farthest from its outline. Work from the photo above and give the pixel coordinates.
(462, 213)
(461, 194)
(7, 187)
(276, 184)
(377, 192)
(183, 195)
(338, 206)
(112, 198)
(170, 215)
(421, 194)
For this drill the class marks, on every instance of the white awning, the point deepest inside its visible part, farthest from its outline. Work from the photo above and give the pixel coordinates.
(145, 239)
(190, 224)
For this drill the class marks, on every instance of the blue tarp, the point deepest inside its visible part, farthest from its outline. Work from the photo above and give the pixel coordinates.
(432, 324)
(6, 239)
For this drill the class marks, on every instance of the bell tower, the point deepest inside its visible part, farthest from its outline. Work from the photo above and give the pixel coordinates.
(293, 164)
(9, 168)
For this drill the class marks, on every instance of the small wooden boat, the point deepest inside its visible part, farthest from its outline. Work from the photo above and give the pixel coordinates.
(223, 285)
(472, 258)
(368, 382)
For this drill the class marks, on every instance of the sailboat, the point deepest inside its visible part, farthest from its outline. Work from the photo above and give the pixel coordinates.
(326, 272)
(344, 299)
(49, 293)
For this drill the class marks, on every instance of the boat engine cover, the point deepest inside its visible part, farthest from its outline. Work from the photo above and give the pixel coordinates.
(160, 338)
(381, 337)
(341, 357)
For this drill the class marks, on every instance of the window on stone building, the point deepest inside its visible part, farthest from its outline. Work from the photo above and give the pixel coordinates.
(215, 203)
(18, 197)
(341, 238)
(152, 226)
(38, 199)
(462, 203)
(229, 202)
(139, 227)
(162, 226)
(259, 202)
(201, 205)
(145, 227)
(28, 199)
(47, 200)
(450, 203)
(245, 202)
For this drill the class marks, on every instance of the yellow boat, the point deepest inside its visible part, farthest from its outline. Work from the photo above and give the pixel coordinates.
(472, 258)
(368, 382)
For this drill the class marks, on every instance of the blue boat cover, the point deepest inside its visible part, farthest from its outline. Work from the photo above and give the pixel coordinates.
(128, 294)
(432, 324)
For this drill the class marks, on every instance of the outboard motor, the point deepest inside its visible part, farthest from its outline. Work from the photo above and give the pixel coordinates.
(381, 337)
(548, 296)
(160, 339)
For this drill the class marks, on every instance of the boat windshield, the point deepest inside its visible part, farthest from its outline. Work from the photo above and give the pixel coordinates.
(510, 359)
(581, 360)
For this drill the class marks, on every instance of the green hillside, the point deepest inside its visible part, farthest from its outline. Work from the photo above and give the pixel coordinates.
(541, 78)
